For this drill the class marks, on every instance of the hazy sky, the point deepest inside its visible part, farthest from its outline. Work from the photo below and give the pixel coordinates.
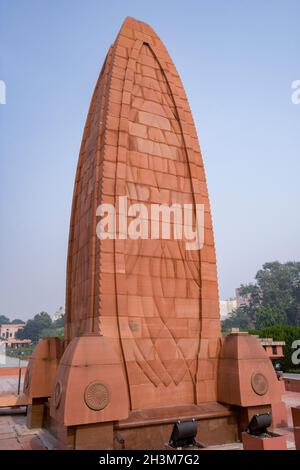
(237, 61)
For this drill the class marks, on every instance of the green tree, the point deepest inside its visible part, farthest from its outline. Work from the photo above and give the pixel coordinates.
(17, 321)
(280, 288)
(286, 333)
(268, 315)
(273, 299)
(4, 320)
(33, 328)
(242, 318)
(56, 329)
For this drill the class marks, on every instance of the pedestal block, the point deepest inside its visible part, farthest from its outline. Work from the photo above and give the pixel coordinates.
(296, 415)
(35, 413)
(272, 442)
(247, 379)
(296, 423)
(40, 376)
(90, 388)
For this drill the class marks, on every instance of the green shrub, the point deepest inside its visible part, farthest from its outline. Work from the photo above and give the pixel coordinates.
(282, 333)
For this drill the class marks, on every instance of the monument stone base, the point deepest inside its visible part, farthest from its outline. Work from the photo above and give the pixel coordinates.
(147, 429)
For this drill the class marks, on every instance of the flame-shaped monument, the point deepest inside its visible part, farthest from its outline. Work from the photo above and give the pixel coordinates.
(142, 332)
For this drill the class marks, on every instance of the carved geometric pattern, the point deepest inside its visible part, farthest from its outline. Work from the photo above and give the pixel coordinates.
(154, 128)
(96, 396)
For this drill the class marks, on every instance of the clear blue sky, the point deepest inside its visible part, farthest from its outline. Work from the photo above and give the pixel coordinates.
(237, 60)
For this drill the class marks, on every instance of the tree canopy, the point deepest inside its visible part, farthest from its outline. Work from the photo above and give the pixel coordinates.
(55, 329)
(4, 320)
(286, 333)
(33, 328)
(273, 299)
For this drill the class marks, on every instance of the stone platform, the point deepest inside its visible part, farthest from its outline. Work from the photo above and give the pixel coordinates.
(14, 434)
(149, 429)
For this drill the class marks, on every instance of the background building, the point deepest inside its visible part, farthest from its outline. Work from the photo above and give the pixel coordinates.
(8, 335)
(8, 331)
(227, 307)
(58, 314)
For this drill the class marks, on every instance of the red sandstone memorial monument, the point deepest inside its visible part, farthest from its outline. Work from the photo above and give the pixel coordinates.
(143, 346)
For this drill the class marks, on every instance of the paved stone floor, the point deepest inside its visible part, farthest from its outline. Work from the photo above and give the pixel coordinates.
(291, 376)
(14, 434)
(9, 383)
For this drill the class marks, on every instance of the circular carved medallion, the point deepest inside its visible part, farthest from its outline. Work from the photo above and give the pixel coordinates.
(57, 393)
(96, 396)
(259, 383)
